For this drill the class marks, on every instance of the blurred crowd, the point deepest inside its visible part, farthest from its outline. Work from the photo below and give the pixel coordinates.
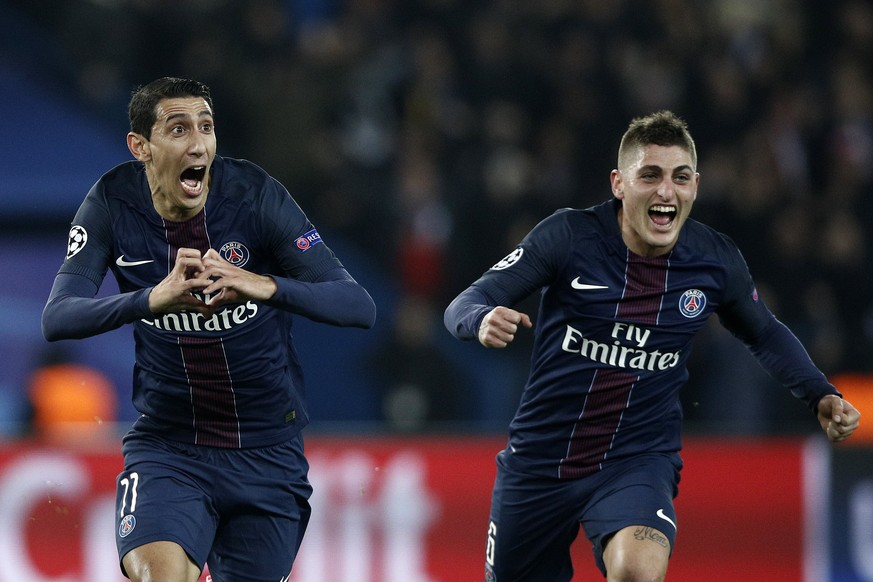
(434, 134)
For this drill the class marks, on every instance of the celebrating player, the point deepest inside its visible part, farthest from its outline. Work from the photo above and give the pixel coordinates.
(596, 437)
(212, 258)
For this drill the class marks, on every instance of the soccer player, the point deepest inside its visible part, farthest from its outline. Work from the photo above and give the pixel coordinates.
(624, 286)
(213, 257)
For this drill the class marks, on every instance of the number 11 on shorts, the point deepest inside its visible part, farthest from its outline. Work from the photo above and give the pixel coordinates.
(129, 485)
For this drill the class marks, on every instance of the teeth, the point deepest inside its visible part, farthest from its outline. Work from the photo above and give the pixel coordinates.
(668, 209)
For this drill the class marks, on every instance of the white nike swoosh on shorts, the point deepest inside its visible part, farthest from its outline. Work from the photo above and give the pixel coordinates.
(122, 262)
(660, 513)
(575, 284)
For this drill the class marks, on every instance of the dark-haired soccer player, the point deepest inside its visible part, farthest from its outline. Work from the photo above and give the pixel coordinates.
(213, 258)
(624, 287)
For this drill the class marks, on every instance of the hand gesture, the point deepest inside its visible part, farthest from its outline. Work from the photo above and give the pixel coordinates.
(499, 327)
(837, 417)
(176, 292)
(231, 284)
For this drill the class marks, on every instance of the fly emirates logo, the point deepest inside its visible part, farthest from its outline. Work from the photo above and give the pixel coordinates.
(630, 354)
(220, 321)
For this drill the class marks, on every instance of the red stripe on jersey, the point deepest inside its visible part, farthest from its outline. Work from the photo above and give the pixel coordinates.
(595, 429)
(610, 391)
(212, 398)
(645, 281)
(213, 401)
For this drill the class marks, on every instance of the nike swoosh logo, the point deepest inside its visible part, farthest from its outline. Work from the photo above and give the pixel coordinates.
(585, 286)
(660, 513)
(121, 262)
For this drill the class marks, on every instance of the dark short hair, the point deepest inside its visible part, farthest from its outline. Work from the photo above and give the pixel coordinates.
(663, 128)
(143, 106)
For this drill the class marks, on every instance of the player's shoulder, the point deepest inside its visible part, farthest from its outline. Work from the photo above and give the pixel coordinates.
(703, 233)
(703, 239)
(121, 178)
(238, 176)
(242, 182)
(569, 228)
(239, 167)
(123, 185)
(582, 220)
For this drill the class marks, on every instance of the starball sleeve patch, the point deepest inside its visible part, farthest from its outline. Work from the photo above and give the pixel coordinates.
(509, 260)
(77, 240)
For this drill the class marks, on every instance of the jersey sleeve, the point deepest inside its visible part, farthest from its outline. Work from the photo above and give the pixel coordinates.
(291, 238)
(315, 283)
(73, 311)
(532, 265)
(774, 346)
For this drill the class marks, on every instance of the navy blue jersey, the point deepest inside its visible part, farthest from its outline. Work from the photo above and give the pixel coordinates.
(232, 380)
(614, 333)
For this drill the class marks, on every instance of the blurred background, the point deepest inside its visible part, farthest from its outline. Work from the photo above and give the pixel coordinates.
(424, 138)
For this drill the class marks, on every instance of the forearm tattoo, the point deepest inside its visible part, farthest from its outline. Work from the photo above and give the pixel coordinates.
(650, 533)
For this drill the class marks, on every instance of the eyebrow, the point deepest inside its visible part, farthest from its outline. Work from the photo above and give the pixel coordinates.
(650, 167)
(174, 116)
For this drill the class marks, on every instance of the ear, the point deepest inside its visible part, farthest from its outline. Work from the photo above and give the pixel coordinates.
(696, 184)
(139, 147)
(615, 180)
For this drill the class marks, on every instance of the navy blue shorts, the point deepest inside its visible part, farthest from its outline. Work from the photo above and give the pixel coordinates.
(242, 511)
(534, 520)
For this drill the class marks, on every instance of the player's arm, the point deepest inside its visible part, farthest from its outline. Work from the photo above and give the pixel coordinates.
(312, 282)
(782, 354)
(472, 314)
(484, 310)
(334, 297)
(73, 311)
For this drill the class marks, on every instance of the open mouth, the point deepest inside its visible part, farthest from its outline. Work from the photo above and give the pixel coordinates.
(192, 180)
(662, 215)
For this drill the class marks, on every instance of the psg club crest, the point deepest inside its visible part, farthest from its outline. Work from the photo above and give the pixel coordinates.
(77, 240)
(128, 522)
(692, 302)
(235, 253)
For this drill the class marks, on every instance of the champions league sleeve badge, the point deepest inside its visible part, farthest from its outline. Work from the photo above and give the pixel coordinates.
(692, 302)
(508, 260)
(77, 240)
